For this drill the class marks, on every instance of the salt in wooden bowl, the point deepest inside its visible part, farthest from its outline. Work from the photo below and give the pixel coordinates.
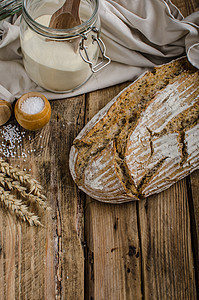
(32, 121)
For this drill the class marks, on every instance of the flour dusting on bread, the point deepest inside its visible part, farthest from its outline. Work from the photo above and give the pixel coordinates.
(144, 140)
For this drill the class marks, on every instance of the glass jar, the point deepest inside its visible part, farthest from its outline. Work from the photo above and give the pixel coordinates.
(61, 60)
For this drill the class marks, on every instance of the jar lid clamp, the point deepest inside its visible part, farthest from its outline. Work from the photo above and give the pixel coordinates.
(105, 60)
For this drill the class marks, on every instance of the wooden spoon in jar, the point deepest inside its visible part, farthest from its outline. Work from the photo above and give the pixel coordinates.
(67, 16)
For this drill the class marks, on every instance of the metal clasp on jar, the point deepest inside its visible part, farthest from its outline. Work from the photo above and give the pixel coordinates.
(105, 60)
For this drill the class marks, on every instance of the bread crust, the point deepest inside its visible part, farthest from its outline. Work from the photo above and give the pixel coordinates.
(142, 141)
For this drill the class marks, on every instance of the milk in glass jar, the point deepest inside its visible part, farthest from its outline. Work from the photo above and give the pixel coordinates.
(61, 60)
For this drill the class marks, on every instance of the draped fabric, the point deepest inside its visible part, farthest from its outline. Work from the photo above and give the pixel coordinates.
(138, 35)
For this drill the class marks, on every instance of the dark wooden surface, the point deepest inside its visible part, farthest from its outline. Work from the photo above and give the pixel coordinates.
(91, 250)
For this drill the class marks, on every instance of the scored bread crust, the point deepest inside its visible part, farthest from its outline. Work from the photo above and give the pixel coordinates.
(143, 140)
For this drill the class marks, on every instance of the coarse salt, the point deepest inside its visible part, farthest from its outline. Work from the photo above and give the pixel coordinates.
(32, 105)
(11, 139)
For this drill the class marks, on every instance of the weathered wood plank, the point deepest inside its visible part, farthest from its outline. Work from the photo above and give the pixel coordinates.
(22, 260)
(69, 207)
(195, 196)
(167, 257)
(23, 247)
(113, 269)
(193, 190)
(113, 252)
(166, 245)
(47, 263)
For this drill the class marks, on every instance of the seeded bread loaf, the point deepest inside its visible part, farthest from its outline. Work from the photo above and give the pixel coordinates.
(144, 140)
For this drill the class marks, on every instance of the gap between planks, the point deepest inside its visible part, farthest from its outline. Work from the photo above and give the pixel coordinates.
(94, 236)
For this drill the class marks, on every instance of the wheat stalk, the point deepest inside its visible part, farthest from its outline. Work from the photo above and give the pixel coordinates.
(16, 206)
(12, 178)
(13, 184)
(22, 177)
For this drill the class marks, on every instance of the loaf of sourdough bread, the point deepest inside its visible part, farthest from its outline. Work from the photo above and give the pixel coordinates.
(144, 140)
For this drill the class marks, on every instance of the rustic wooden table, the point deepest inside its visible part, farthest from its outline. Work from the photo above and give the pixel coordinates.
(91, 250)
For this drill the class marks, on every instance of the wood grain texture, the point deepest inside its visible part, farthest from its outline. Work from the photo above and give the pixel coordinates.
(162, 226)
(193, 192)
(23, 247)
(113, 264)
(47, 263)
(195, 196)
(167, 250)
(166, 233)
(163, 231)
(69, 206)
(92, 250)
(167, 257)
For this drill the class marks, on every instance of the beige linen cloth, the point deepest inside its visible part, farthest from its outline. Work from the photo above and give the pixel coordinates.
(138, 35)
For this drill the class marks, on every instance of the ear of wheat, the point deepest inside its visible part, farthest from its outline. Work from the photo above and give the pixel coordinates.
(17, 207)
(22, 177)
(13, 179)
(12, 184)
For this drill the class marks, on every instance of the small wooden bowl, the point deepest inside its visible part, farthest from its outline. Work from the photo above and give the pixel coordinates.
(32, 121)
(5, 111)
